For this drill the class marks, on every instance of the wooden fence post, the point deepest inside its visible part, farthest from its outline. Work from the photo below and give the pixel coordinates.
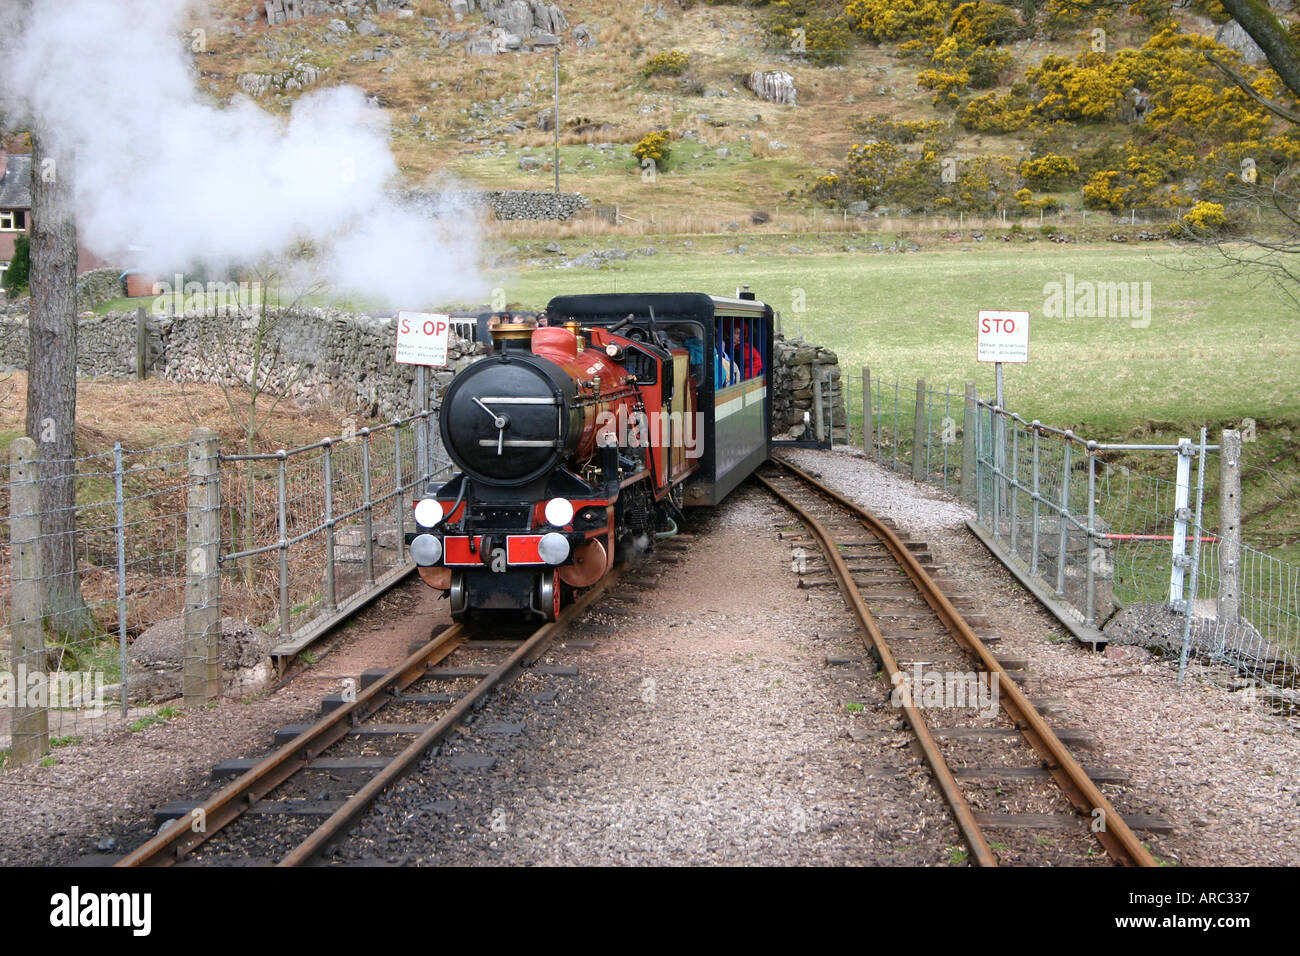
(201, 679)
(30, 726)
(141, 344)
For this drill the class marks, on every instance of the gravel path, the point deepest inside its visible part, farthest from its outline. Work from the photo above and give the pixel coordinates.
(1223, 771)
(706, 725)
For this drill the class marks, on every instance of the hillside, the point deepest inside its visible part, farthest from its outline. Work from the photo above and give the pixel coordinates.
(473, 117)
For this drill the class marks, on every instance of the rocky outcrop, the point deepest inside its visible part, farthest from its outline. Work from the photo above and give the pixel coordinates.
(297, 76)
(1234, 36)
(775, 87)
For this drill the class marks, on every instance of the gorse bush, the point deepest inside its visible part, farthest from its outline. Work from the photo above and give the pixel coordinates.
(654, 146)
(670, 63)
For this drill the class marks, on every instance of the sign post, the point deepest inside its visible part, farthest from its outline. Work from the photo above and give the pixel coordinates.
(422, 342)
(1001, 336)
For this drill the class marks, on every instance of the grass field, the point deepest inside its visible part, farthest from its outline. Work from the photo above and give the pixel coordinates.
(1218, 347)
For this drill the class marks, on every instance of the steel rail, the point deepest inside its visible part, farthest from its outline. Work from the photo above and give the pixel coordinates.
(231, 802)
(964, 817)
(521, 657)
(1110, 829)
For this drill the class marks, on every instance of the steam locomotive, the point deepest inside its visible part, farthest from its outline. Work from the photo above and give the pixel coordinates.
(581, 440)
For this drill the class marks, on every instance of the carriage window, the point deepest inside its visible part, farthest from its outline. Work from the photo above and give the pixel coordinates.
(742, 349)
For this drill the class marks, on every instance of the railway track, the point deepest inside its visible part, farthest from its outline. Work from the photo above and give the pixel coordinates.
(287, 808)
(999, 765)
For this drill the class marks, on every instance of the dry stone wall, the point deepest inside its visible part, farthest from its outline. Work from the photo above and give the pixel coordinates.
(796, 365)
(324, 356)
(327, 356)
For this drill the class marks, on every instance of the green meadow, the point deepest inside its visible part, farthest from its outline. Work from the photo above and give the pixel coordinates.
(1218, 346)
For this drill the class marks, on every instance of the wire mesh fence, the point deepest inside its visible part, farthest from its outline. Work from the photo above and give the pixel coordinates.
(107, 601)
(1118, 549)
(305, 531)
(914, 429)
(104, 537)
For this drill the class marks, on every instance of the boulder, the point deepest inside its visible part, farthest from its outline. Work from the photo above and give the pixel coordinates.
(776, 86)
(157, 660)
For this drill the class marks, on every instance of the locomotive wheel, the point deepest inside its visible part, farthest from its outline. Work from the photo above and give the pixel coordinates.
(458, 597)
(550, 595)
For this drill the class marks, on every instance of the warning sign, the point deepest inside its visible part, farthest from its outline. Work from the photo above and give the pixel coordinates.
(422, 338)
(1002, 336)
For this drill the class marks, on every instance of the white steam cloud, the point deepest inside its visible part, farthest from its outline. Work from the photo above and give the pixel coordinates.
(179, 180)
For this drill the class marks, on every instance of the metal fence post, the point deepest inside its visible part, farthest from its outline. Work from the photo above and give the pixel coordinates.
(970, 419)
(201, 679)
(896, 441)
(331, 585)
(30, 729)
(1014, 515)
(818, 409)
(919, 433)
(120, 534)
(398, 505)
(1063, 554)
(369, 507)
(282, 525)
(1090, 616)
(1230, 467)
(1189, 607)
(1033, 531)
(978, 446)
(868, 426)
(1182, 498)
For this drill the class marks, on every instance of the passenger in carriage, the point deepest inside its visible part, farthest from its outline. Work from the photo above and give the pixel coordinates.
(748, 357)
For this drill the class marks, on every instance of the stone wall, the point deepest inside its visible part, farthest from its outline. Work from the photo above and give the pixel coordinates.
(796, 364)
(324, 355)
(327, 356)
(534, 204)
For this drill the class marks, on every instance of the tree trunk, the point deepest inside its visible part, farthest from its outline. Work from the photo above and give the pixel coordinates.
(1282, 51)
(52, 386)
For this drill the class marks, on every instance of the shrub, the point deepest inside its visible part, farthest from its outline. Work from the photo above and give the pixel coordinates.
(654, 146)
(984, 23)
(897, 19)
(1205, 218)
(20, 268)
(670, 63)
(994, 113)
(1048, 171)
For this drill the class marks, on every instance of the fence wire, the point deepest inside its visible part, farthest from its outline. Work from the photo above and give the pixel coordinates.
(301, 533)
(112, 578)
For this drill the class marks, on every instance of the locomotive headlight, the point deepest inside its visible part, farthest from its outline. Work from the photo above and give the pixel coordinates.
(559, 512)
(554, 547)
(428, 512)
(426, 550)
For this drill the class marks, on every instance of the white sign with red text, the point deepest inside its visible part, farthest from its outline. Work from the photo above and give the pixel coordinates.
(422, 338)
(1002, 336)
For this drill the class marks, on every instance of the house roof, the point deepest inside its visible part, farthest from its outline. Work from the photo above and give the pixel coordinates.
(16, 186)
